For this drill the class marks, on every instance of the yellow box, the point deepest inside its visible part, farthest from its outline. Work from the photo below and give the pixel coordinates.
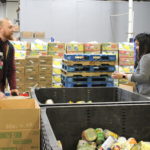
(109, 46)
(56, 47)
(56, 78)
(74, 47)
(92, 48)
(56, 71)
(126, 46)
(39, 46)
(126, 69)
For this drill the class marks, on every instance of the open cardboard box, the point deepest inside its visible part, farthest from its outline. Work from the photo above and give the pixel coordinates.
(19, 124)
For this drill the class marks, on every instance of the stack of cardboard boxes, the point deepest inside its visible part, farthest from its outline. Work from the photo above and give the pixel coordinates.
(45, 71)
(56, 49)
(20, 72)
(92, 48)
(111, 49)
(126, 59)
(74, 48)
(31, 72)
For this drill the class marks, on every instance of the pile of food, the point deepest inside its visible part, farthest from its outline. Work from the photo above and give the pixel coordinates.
(99, 139)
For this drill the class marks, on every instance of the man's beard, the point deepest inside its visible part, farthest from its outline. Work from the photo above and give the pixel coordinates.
(8, 37)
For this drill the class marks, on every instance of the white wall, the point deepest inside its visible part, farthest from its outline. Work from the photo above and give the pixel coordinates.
(82, 20)
(2, 10)
(11, 8)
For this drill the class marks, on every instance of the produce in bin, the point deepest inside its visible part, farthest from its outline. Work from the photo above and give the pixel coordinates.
(99, 139)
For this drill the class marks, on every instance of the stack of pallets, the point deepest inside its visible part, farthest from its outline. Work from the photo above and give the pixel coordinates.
(83, 70)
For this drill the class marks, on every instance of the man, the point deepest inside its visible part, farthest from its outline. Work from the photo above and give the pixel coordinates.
(7, 62)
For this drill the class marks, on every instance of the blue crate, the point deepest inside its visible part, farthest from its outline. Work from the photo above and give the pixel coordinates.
(86, 79)
(87, 57)
(81, 68)
(88, 84)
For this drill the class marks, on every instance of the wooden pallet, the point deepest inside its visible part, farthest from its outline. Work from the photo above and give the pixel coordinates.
(91, 63)
(85, 74)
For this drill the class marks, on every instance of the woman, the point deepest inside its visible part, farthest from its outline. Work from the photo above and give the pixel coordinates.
(141, 76)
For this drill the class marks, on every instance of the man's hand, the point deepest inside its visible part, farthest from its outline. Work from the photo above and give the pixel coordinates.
(14, 92)
(2, 95)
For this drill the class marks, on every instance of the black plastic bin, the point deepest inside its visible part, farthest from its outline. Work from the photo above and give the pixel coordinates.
(66, 123)
(98, 94)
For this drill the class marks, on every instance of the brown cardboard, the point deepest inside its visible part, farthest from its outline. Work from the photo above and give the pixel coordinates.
(20, 62)
(56, 47)
(126, 87)
(125, 54)
(32, 61)
(39, 35)
(45, 60)
(17, 114)
(26, 34)
(126, 61)
(92, 48)
(31, 70)
(110, 46)
(25, 139)
(45, 68)
(19, 70)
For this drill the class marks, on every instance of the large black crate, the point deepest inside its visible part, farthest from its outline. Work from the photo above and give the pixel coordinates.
(98, 94)
(66, 123)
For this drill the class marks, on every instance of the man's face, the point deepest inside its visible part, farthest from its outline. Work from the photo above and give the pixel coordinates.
(7, 29)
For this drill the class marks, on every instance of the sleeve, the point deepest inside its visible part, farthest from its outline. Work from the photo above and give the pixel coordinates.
(144, 74)
(12, 69)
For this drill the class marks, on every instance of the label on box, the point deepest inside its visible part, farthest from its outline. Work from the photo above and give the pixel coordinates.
(109, 46)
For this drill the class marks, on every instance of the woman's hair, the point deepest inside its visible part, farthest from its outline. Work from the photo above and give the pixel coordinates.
(144, 46)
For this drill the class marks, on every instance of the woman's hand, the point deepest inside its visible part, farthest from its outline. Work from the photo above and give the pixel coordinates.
(118, 75)
(2, 95)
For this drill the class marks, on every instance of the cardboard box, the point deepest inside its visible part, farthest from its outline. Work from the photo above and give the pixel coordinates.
(126, 87)
(20, 79)
(125, 54)
(74, 47)
(45, 79)
(45, 60)
(126, 69)
(110, 46)
(44, 84)
(39, 35)
(56, 78)
(20, 139)
(56, 54)
(126, 46)
(20, 87)
(45, 68)
(126, 61)
(32, 61)
(56, 47)
(27, 35)
(19, 114)
(39, 46)
(20, 70)
(20, 62)
(31, 78)
(31, 70)
(92, 48)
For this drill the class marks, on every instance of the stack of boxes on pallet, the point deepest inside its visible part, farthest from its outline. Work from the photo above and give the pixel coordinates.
(31, 72)
(45, 71)
(20, 75)
(111, 49)
(56, 50)
(37, 72)
(126, 60)
(83, 70)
